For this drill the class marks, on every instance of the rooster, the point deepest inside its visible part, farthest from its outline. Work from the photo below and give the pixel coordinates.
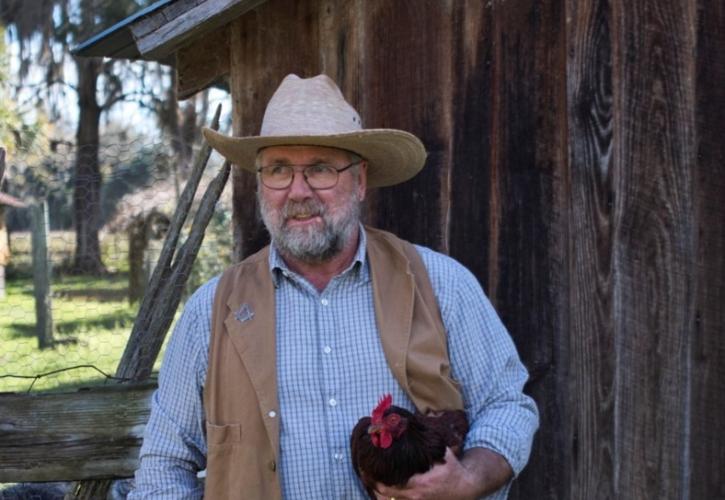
(393, 444)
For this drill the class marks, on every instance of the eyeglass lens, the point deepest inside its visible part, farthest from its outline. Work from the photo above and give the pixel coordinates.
(280, 176)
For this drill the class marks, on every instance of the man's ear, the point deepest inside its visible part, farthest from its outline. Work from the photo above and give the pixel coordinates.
(362, 184)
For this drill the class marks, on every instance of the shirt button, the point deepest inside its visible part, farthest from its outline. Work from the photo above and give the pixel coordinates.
(324, 302)
(337, 457)
(272, 414)
(332, 402)
(327, 349)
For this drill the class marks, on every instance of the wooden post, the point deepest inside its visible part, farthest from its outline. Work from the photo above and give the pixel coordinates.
(41, 275)
(4, 249)
(2, 219)
(2, 163)
(2, 281)
(137, 243)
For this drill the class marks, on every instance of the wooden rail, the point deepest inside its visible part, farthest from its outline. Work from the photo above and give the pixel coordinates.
(90, 434)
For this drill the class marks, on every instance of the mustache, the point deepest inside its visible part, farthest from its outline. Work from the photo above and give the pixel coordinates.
(307, 208)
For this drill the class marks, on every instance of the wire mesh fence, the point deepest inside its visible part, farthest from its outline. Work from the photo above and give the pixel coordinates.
(92, 314)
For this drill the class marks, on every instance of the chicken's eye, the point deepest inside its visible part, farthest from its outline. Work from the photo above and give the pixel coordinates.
(392, 419)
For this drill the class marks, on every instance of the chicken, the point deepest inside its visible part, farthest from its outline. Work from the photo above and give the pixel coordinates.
(393, 444)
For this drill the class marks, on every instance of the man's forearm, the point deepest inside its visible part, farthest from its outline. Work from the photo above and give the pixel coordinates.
(487, 471)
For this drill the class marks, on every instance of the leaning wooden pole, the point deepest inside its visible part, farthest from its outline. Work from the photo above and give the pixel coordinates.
(164, 291)
(2, 163)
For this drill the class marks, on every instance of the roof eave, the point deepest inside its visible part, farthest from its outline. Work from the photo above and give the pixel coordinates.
(156, 33)
(117, 42)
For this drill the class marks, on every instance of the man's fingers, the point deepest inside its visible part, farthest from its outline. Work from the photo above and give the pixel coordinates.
(384, 492)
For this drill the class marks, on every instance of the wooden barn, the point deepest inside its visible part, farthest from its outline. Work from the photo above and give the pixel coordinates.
(576, 166)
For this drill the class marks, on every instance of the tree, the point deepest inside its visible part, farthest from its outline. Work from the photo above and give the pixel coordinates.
(45, 32)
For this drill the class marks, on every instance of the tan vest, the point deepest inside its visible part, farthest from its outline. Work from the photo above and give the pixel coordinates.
(240, 395)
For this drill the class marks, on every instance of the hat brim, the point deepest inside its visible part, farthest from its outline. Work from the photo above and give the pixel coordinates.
(393, 156)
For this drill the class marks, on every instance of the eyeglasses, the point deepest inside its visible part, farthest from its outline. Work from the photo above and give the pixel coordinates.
(318, 176)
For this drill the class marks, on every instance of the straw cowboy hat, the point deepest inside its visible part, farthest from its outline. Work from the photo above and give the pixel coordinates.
(313, 111)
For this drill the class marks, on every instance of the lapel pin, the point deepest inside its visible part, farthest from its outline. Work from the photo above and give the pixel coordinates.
(245, 313)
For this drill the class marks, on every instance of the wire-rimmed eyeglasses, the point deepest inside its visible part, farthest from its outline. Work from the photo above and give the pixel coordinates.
(318, 176)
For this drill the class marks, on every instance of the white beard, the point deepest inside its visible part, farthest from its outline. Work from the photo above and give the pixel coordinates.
(310, 243)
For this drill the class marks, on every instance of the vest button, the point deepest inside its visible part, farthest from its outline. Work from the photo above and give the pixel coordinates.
(272, 465)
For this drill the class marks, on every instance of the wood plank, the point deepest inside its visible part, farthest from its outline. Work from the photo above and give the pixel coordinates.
(407, 74)
(473, 135)
(654, 102)
(591, 434)
(707, 413)
(89, 434)
(196, 21)
(158, 18)
(176, 9)
(278, 38)
(341, 34)
(202, 63)
(525, 272)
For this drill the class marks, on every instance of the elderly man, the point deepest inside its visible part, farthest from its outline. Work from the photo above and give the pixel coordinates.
(272, 364)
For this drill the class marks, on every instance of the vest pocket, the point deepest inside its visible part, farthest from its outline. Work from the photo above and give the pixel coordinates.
(228, 434)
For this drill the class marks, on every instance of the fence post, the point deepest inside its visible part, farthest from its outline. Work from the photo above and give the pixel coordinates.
(2, 223)
(41, 274)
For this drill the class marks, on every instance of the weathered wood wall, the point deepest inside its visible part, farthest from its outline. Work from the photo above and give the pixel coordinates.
(576, 167)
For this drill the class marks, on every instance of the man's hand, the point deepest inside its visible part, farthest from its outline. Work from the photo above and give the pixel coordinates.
(479, 473)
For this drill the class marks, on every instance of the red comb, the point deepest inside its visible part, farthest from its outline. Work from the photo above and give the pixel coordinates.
(384, 404)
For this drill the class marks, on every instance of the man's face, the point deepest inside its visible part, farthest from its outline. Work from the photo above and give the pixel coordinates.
(304, 223)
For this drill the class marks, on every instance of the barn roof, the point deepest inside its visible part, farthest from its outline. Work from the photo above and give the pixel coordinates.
(156, 32)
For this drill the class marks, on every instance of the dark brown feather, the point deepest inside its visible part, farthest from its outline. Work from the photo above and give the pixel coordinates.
(418, 449)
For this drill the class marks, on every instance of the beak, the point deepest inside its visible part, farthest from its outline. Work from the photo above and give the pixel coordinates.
(375, 429)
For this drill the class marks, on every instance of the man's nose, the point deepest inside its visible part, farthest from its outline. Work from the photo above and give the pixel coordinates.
(299, 189)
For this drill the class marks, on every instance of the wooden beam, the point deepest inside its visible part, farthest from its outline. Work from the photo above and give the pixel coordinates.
(90, 434)
(202, 63)
(180, 29)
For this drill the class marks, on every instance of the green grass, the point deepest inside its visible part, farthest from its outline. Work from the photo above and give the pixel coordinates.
(92, 320)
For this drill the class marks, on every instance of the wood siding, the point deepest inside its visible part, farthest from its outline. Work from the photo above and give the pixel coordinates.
(576, 167)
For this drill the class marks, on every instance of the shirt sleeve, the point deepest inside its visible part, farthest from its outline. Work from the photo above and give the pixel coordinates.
(174, 445)
(485, 362)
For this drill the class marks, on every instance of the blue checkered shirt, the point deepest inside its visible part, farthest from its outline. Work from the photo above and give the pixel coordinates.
(331, 371)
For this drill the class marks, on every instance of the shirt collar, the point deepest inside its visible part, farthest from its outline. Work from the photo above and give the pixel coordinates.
(358, 265)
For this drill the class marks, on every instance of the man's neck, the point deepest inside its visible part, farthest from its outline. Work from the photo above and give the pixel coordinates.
(320, 273)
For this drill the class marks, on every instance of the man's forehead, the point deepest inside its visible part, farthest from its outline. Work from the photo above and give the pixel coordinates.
(281, 153)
